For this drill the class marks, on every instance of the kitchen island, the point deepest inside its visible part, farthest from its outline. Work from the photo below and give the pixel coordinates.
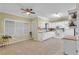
(45, 35)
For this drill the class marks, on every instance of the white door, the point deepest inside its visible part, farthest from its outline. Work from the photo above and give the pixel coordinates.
(18, 30)
(21, 30)
(26, 30)
(9, 27)
(34, 30)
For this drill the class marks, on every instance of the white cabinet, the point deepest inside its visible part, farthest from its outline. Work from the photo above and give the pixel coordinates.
(70, 47)
(41, 25)
(45, 35)
(69, 32)
(77, 6)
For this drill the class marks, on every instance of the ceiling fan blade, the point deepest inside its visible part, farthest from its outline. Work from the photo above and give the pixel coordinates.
(22, 9)
(32, 12)
(23, 12)
(31, 9)
(27, 10)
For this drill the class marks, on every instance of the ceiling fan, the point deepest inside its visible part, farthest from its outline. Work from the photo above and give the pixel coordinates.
(28, 11)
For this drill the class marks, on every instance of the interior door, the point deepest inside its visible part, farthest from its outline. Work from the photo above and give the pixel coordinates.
(21, 30)
(26, 30)
(9, 27)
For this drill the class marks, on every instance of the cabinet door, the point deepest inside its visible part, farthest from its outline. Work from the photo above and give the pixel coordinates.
(70, 47)
(42, 25)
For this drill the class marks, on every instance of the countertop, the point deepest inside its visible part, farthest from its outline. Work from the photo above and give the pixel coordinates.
(45, 31)
(71, 37)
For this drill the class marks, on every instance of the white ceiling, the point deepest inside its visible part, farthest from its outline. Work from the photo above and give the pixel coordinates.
(41, 9)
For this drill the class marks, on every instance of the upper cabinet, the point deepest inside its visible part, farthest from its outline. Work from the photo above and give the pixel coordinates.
(72, 17)
(41, 24)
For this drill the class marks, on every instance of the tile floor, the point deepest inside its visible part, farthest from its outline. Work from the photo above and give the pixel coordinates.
(51, 46)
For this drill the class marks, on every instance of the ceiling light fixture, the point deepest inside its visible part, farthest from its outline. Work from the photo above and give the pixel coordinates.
(28, 11)
(56, 15)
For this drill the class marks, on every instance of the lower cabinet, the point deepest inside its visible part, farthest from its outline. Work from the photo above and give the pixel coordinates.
(45, 35)
(70, 47)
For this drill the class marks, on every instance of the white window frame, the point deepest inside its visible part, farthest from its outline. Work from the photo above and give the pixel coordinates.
(7, 19)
